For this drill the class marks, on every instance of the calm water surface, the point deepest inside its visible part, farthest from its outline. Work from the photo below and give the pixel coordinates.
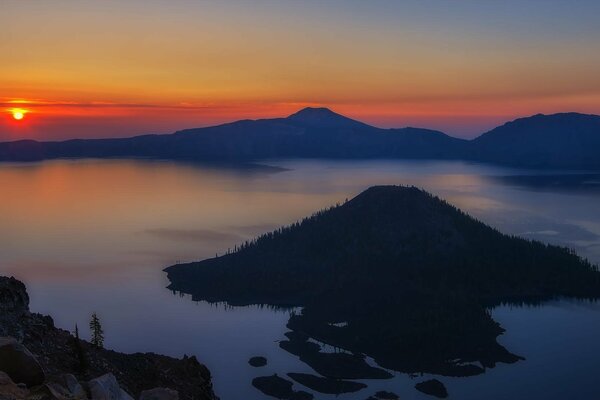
(94, 236)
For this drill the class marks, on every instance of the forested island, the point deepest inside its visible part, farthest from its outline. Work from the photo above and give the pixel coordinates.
(396, 274)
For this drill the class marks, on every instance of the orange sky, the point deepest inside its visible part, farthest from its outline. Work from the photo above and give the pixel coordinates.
(99, 69)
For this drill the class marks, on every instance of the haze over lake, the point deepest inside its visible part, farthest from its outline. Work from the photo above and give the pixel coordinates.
(94, 235)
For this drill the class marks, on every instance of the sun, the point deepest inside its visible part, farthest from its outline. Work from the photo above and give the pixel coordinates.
(18, 114)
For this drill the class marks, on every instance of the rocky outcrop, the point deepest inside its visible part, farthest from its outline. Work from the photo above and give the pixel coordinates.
(13, 296)
(38, 349)
(67, 387)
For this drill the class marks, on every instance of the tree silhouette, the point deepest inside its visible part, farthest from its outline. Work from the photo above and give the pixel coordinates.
(81, 362)
(97, 332)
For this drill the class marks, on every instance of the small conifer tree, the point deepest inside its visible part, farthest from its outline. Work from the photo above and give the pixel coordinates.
(81, 362)
(97, 332)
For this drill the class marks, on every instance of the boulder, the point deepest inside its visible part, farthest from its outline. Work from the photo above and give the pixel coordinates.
(18, 363)
(106, 387)
(159, 394)
(50, 391)
(74, 389)
(9, 390)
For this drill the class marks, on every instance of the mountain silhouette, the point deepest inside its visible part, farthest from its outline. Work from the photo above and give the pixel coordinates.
(324, 117)
(547, 141)
(558, 140)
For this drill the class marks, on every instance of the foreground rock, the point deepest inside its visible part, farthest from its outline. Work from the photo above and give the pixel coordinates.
(432, 387)
(67, 387)
(55, 353)
(159, 394)
(19, 363)
(9, 390)
(106, 387)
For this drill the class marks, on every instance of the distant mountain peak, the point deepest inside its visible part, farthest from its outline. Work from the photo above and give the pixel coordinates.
(323, 116)
(314, 112)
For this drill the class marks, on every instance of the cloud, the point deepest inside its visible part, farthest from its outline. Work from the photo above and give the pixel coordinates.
(194, 235)
(257, 229)
(35, 103)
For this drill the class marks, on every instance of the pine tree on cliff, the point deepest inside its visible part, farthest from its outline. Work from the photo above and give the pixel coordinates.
(81, 362)
(97, 332)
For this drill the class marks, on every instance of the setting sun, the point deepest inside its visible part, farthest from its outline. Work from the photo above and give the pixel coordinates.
(18, 114)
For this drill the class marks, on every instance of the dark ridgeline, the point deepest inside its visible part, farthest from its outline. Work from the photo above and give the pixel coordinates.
(559, 140)
(394, 273)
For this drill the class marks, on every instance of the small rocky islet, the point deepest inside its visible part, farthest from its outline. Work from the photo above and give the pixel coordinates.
(40, 361)
(280, 388)
(385, 395)
(432, 387)
(257, 361)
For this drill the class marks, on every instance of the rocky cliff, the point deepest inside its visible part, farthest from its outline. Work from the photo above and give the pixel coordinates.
(38, 359)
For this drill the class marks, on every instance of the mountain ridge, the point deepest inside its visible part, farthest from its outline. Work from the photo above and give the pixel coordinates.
(563, 140)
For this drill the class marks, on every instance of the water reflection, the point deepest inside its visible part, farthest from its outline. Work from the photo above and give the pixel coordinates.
(94, 235)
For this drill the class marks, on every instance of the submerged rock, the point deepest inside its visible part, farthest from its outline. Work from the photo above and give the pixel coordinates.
(383, 395)
(297, 336)
(326, 385)
(432, 387)
(299, 348)
(258, 361)
(343, 366)
(274, 386)
(18, 363)
(301, 395)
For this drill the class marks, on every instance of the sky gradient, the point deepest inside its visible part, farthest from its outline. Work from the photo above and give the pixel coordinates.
(110, 68)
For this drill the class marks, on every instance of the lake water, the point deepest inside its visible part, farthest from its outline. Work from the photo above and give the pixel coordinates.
(94, 235)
